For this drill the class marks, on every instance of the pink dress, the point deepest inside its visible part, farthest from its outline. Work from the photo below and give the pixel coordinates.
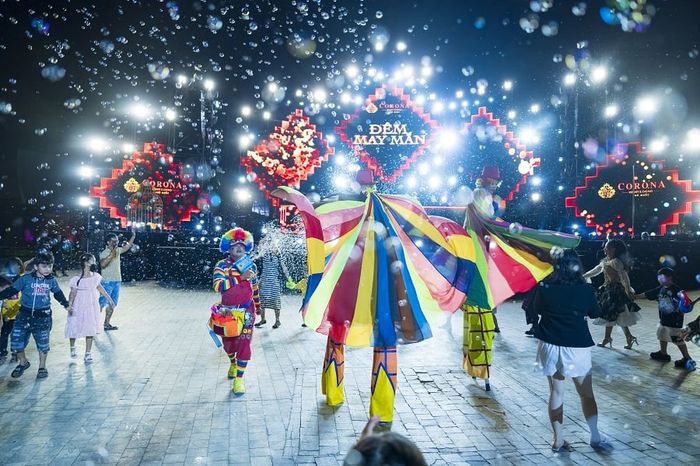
(86, 320)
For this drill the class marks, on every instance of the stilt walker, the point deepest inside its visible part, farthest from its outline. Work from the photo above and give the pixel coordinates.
(509, 260)
(379, 272)
(235, 277)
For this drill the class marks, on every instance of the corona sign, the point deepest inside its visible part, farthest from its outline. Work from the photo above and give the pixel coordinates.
(630, 193)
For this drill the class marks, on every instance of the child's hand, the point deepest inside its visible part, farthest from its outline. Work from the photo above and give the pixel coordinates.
(248, 275)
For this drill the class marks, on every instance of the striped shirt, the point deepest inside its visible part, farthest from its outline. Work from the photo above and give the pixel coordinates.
(270, 279)
(227, 276)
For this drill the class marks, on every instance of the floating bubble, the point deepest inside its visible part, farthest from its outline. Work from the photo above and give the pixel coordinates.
(579, 9)
(667, 261)
(556, 252)
(468, 70)
(515, 228)
(301, 45)
(379, 14)
(107, 46)
(402, 303)
(158, 72)
(40, 26)
(697, 278)
(53, 73)
(5, 107)
(480, 22)
(72, 103)
(214, 23)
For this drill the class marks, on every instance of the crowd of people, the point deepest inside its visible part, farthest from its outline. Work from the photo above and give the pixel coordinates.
(557, 308)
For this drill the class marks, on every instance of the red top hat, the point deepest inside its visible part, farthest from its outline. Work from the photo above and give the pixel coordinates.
(491, 171)
(365, 177)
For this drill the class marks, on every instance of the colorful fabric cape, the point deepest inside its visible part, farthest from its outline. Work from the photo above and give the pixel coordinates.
(510, 258)
(379, 270)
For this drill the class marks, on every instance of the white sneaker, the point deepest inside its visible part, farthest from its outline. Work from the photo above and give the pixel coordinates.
(88, 358)
(73, 352)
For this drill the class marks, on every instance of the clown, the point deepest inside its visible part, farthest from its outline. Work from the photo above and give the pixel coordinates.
(236, 278)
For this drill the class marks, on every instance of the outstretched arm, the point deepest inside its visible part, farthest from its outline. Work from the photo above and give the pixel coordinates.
(595, 271)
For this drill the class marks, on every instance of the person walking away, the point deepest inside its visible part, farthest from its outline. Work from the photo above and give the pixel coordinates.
(564, 301)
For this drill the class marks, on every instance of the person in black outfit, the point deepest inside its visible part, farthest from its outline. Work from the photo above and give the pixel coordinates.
(564, 301)
(673, 304)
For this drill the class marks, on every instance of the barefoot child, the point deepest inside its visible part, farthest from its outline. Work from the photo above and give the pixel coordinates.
(34, 316)
(84, 320)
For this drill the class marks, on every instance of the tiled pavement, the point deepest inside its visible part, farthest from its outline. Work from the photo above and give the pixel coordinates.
(157, 393)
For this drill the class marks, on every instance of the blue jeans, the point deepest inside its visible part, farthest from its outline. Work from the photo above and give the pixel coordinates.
(27, 323)
(112, 289)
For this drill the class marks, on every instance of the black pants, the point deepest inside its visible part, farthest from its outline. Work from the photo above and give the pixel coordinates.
(7, 326)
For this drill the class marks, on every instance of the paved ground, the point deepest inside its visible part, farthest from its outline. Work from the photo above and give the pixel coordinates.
(157, 393)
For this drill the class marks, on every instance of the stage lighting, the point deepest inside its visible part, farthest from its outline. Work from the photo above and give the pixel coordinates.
(128, 147)
(401, 46)
(659, 145)
(599, 74)
(96, 144)
(246, 110)
(647, 106)
(208, 85)
(244, 141)
(448, 139)
(170, 114)
(411, 182)
(352, 71)
(611, 111)
(529, 136)
(536, 197)
(84, 201)
(569, 79)
(512, 114)
(536, 181)
(266, 115)
(340, 181)
(692, 140)
(182, 79)
(534, 108)
(140, 111)
(507, 85)
(320, 95)
(86, 171)
(434, 182)
(242, 194)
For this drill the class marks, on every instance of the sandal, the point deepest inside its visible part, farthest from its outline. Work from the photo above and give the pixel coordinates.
(42, 373)
(277, 324)
(111, 327)
(261, 323)
(564, 448)
(19, 370)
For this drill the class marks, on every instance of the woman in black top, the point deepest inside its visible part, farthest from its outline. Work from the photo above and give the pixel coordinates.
(564, 350)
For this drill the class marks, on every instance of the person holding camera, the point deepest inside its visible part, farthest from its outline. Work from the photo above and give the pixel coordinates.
(111, 270)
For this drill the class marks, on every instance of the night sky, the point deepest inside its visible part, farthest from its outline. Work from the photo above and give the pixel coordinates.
(72, 71)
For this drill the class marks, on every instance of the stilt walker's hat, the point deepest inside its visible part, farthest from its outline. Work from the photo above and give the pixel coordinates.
(491, 171)
(236, 235)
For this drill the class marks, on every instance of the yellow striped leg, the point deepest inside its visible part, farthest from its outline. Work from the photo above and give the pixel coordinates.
(384, 380)
(333, 373)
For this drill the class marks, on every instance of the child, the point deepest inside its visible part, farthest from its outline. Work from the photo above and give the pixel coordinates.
(84, 319)
(34, 316)
(10, 306)
(673, 303)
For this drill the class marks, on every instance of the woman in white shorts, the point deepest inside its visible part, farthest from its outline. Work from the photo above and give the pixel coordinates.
(564, 301)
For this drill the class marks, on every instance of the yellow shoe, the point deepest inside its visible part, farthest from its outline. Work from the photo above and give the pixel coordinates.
(232, 371)
(238, 386)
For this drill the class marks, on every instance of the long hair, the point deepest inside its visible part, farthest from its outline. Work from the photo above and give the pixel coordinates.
(619, 251)
(568, 269)
(84, 259)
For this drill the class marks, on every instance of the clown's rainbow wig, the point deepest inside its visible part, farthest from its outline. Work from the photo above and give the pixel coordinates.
(236, 235)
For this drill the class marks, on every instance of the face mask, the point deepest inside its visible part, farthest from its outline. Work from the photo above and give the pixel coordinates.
(93, 267)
